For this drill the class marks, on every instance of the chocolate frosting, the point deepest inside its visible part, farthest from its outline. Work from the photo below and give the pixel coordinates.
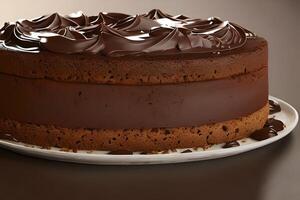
(118, 34)
(97, 106)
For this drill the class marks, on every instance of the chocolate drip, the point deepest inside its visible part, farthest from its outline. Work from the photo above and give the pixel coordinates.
(187, 151)
(120, 152)
(270, 129)
(144, 153)
(7, 136)
(118, 34)
(274, 107)
(230, 144)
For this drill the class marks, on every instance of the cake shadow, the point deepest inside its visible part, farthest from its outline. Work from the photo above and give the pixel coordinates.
(234, 177)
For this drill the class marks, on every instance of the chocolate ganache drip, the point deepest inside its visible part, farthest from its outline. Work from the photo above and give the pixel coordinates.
(117, 34)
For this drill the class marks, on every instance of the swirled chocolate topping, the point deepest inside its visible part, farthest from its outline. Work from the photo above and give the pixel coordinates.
(117, 34)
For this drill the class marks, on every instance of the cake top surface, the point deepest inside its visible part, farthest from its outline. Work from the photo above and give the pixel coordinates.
(118, 34)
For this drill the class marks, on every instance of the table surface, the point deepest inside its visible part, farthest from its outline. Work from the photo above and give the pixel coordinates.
(268, 173)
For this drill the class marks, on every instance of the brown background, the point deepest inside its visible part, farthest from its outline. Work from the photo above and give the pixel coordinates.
(269, 173)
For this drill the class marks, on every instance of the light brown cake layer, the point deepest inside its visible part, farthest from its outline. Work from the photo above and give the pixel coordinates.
(136, 70)
(155, 139)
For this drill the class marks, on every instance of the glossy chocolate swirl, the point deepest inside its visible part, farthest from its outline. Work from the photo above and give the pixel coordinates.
(117, 34)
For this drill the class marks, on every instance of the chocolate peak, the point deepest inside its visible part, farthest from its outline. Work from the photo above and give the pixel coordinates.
(118, 34)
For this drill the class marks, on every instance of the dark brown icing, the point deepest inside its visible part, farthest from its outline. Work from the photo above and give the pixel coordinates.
(274, 107)
(117, 34)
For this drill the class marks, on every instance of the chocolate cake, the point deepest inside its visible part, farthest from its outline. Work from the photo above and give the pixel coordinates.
(117, 82)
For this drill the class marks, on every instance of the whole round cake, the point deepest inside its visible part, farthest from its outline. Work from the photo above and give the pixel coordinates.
(117, 82)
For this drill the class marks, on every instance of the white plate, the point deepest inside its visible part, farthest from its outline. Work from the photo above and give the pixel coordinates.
(288, 116)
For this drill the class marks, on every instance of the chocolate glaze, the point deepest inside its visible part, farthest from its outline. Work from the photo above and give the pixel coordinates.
(79, 105)
(230, 144)
(274, 107)
(270, 129)
(118, 34)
